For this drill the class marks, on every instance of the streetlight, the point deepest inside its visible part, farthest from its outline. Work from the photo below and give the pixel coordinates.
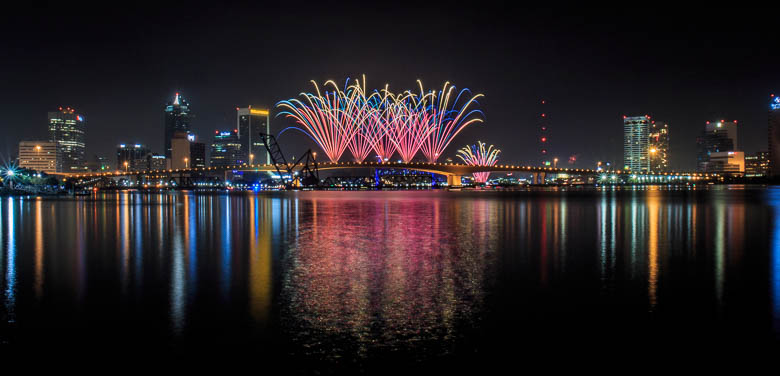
(555, 162)
(186, 162)
(314, 155)
(251, 159)
(126, 166)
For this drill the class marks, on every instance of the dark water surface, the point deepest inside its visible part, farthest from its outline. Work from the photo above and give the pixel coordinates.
(362, 281)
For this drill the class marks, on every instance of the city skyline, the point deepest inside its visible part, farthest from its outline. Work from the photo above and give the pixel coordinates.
(587, 93)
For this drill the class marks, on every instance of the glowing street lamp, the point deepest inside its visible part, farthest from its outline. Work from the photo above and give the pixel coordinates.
(126, 166)
(251, 159)
(555, 162)
(186, 162)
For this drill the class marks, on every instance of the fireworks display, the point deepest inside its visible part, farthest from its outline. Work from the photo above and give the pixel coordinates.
(354, 118)
(477, 155)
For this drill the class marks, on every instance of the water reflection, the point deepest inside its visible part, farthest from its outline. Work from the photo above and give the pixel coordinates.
(391, 274)
(10, 265)
(774, 265)
(335, 275)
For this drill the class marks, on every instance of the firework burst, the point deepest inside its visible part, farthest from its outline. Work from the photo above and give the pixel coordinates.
(354, 118)
(477, 155)
(448, 117)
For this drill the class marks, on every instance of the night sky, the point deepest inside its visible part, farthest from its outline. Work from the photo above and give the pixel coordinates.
(119, 66)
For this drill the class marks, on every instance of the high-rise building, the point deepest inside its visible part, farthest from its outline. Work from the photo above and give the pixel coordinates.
(180, 151)
(40, 156)
(226, 149)
(132, 157)
(636, 143)
(659, 146)
(250, 123)
(66, 128)
(757, 165)
(717, 137)
(177, 119)
(732, 162)
(197, 153)
(774, 135)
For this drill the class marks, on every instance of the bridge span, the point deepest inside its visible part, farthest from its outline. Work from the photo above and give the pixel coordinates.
(453, 171)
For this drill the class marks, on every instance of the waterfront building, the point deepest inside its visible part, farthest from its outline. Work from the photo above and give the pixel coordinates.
(42, 156)
(636, 143)
(156, 161)
(66, 128)
(716, 137)
(757, 165)
(131, 157)
(180, 150)
(226, 149)
(774, 135)
(726, 162)
(197, 154)
(177, 119)
(658, 152)
(250, 123)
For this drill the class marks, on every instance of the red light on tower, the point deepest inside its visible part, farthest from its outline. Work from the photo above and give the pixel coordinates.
(544, 139)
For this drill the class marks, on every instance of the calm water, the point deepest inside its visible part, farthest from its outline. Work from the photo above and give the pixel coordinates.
(360, 281)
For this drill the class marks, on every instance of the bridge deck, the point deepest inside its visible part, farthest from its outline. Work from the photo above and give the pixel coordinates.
(448, 169)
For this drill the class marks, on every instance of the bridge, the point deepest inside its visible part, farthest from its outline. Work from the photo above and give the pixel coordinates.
(453, 171)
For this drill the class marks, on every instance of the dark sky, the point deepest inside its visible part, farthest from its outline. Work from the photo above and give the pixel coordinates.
(118, 67)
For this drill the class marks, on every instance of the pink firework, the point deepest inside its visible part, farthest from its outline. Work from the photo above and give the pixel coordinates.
(368, 117)
(448, 117)
(477, 155)
(331, 120)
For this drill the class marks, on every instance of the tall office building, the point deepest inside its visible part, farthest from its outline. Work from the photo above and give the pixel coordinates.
(659, 146)
(40, 156)
(66, 128)
(180, 151)
(132, 157)
(226, 149)
(250, 123)
(636, 143)
(774, 135)
(197, 152)
(716, 137)
(177, 119)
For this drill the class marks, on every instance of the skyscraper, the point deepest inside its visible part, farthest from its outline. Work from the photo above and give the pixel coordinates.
(66, 128)
(774, 135)
(226, 149)
(177, 119)
(250, 123)
(636, 143)
(716, 137)
(197, 153)
(659, 146)
(180, 151)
